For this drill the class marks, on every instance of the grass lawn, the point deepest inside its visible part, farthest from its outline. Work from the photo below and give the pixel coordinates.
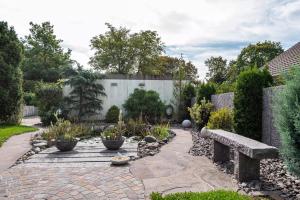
(212, 195)
(7, 131)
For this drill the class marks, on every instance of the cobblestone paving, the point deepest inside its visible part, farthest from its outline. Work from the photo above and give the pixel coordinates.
(84, 173)
(105, 183)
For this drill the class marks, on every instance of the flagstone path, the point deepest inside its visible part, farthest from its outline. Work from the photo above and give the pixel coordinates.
(86, 173)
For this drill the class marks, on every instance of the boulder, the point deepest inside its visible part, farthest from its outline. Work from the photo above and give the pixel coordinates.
(186, 123)
(150, 138)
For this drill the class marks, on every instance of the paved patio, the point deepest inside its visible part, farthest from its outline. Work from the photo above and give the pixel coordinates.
(87, 174)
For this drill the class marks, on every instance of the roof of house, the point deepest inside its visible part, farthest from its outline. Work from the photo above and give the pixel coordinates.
(285, 60)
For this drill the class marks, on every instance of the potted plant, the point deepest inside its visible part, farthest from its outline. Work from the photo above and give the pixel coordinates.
(64, 135)
(113, 138)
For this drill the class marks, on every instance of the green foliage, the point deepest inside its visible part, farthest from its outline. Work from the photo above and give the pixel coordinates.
(248, 102)
(161, 131)
(145, 103)
(200, 113)
(85, 93)
(30, 99)
(188, 94)
(11, 93)
(217, 69)
(116, 132)
(64, 129)
(8, 130)
(225, 87)
(118, 51)
(112, 114)
(221, 119)
(169, 66)
(287, 120)
(137, 128)
(49, 99)
(204, 91)
(211, 195)
(45, 59)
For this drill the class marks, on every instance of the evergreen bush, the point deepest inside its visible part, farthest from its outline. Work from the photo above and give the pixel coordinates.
(49, 101)
(188, 94)
(248, 102)
(221, 119)
(145, 103)
(204, 91)
(11, 93)
(200, 113)
(287, 121)
(112, 114)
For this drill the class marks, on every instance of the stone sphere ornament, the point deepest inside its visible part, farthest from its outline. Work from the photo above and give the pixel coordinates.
(186, 123)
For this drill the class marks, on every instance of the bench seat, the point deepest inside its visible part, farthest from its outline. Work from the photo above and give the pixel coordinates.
(247, 152)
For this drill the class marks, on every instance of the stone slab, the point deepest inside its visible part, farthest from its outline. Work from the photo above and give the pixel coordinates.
(247, 146)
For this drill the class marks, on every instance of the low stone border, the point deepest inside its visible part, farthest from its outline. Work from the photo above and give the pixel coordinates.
(275, 181)
(152, 148)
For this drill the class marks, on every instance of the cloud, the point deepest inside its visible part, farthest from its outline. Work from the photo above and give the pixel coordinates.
(197, 28)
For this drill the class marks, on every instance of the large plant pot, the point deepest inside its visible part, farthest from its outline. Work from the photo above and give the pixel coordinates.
(113, 144)
(65, 145)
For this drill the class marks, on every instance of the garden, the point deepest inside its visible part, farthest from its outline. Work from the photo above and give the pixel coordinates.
(145, 124)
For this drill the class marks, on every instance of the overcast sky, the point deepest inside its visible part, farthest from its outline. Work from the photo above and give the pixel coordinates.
(197, 28)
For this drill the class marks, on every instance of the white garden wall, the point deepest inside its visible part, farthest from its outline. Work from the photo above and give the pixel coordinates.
(118, 90)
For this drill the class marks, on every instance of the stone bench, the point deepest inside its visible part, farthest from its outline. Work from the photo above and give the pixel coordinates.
(247, 152)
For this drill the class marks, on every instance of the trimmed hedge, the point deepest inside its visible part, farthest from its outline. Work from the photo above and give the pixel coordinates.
(287, 121)
(248, 102)
(112, 115)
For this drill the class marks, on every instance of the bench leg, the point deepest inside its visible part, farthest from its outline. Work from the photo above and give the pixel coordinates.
(245, 168)
(220, 152)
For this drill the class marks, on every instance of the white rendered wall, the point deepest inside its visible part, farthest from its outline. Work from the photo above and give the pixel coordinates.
(118, 91)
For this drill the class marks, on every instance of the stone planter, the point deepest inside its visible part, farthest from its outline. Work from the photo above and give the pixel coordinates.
(65, 145)
(113, 144)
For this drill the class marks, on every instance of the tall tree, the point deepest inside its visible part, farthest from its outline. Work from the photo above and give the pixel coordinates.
(45, 59)
(147, 47)
(11, 54)
(217, 69)
(113, 51)
(169, 66)
(84, 97)
(254, 55)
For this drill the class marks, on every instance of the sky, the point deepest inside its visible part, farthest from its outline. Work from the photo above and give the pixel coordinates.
(196, 28)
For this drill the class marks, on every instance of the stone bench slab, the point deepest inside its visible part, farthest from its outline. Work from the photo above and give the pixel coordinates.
(247, 146)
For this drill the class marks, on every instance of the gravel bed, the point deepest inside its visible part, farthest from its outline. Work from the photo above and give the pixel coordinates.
(275, 181)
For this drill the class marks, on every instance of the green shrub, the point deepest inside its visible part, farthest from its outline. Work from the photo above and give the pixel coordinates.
(11, 93)
(112, 114)
(211, 195)
(145, 103)
(66, 130)
(204, 91)
(200, 113)
(30, 99)
(137, 128)
(248, 102)
(225, 87)
(49, 100)
(188, 94)
(161, 131)
(221, 119)
(287, 121)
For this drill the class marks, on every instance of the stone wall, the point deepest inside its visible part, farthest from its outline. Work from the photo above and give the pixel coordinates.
(269, 134)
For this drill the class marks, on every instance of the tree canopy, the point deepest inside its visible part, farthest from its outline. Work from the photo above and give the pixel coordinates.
(119, 51)
(217, 69)
(45, 59)
(11, 94)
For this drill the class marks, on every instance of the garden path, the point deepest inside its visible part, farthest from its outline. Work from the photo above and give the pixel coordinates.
(17, 145)
(175, 170)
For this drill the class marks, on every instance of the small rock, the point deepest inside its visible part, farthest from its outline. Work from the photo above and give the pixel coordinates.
(150, 139)
(186, 123)
(40, 144)
(37, 149)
